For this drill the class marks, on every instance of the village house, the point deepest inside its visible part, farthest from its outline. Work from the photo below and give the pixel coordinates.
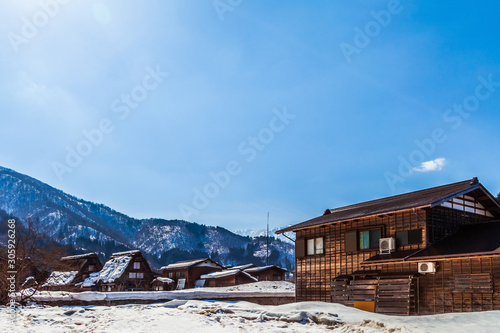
(124, 271)
(71, 271)
(431, 251)
(186, 273)
(267, 273)
(162, 283)
(227, 278)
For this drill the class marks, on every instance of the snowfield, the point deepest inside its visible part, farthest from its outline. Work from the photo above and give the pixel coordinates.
(184, 315)
(209, 316)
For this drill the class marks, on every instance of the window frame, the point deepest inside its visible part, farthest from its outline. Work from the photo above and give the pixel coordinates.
(372, 244)
(314, 241)
(137, 265)
(409, 237)
(352, 238)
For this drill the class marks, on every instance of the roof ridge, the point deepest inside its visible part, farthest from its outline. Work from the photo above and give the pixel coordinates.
(397, 196)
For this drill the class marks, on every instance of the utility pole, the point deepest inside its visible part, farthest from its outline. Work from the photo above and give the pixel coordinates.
(267, 255)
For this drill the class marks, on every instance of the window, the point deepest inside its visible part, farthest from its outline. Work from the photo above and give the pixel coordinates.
(140, 275)
(171, 275)
(408, 237)
(180, 274)
(91, 268)
(369, 239)
(314, 246)
(277, 277)
(137, 265)
(132, 275)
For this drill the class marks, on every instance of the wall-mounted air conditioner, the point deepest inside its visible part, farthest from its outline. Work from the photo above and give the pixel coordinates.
(426, 267)
(387, 245)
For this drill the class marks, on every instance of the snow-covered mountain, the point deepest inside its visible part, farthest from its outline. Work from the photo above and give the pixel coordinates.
(262, 233)
(88, 226)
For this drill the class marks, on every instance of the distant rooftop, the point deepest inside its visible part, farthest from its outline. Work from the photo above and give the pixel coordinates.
(125, 253)
(79, 256)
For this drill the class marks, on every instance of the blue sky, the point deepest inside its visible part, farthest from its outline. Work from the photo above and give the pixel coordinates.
(220, 111)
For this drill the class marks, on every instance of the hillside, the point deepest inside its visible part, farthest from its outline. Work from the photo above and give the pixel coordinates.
(86, 226)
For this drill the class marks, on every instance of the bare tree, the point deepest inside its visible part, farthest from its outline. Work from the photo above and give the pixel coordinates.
(35, 257)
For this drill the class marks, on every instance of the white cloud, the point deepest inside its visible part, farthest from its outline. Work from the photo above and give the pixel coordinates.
(434, 165)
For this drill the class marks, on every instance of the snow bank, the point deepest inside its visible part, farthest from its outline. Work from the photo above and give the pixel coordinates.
(204, 316)
(257, 289)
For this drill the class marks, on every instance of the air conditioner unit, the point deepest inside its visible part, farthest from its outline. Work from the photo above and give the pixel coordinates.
(387, 245)
(426, 267)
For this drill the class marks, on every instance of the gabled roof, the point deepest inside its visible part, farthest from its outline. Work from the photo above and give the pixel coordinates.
(163, 280)
(126, 253)
(242, 267)
(113, 269)
(57, 278)
(263, 268)
(80, 256)
(218, 275)
(189, 263)
(430, 197)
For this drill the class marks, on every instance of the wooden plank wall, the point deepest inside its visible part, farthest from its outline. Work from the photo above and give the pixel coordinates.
(396, 296)
(441, 292)
(315, 273)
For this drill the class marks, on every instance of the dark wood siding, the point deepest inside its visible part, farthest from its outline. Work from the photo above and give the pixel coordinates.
(438, 293)
(444, 221)
(315, 273)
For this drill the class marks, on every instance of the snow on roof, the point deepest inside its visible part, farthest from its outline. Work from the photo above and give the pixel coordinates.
(182, 264)
(258, 269)
(125, 253)
(242, 266)
(90, 281)
(28, 279)
(79, 256)
(216, 275)
(57, 278)
(164, 280)
(113, 269)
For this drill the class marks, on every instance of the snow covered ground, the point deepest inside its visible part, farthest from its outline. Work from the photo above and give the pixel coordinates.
(205, 316)
(183, 315)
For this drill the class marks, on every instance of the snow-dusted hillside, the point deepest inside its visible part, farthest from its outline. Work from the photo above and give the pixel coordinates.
(262, 233)
(92, 227)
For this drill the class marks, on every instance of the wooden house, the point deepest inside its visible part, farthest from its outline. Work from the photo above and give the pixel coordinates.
(267, 273)
(71, 271)
(431, 251)
(124, 271)
(227, 278)
(186, 273)
(162, 283)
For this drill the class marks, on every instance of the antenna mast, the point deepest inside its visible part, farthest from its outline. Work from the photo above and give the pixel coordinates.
(267, 254)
